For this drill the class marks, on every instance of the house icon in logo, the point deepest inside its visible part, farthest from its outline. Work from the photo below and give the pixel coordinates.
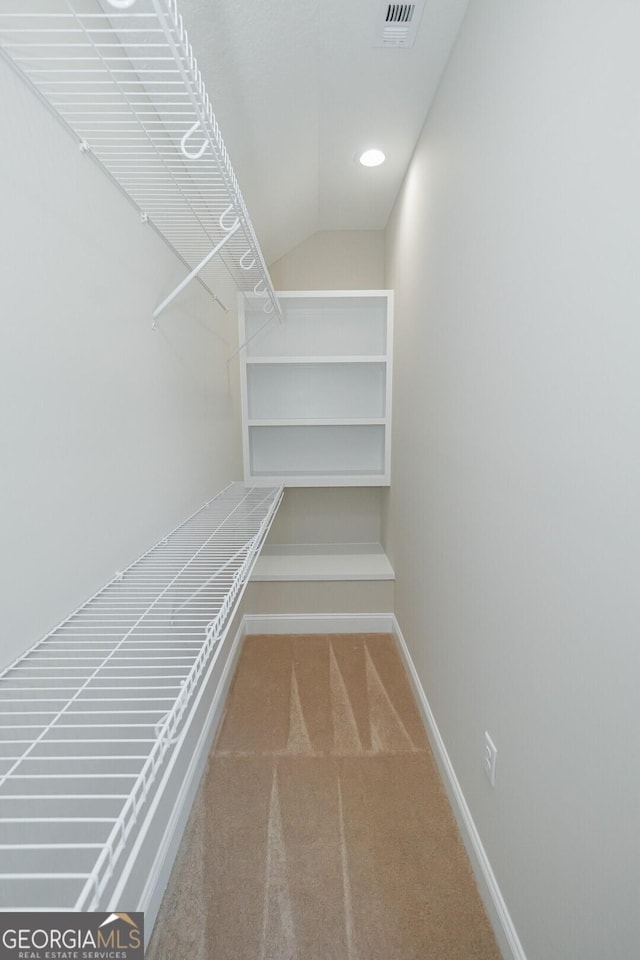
(119, 916)
(122, 933)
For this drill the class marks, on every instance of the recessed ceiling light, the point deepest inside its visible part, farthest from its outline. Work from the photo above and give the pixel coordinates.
(372, 158)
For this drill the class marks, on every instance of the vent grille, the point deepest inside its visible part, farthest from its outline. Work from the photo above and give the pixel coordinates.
(398, 23)
(394, 36)
(400, 12)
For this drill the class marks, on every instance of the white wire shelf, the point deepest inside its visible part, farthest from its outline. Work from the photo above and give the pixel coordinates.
(122, 76)
(90, 714)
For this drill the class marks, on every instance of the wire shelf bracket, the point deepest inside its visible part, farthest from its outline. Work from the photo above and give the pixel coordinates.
(123, 78)
(194, 273)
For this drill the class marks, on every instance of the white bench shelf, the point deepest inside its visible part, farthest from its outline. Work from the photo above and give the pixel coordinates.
(345, 561)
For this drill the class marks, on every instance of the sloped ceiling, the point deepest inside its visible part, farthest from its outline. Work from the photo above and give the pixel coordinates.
(299, 89)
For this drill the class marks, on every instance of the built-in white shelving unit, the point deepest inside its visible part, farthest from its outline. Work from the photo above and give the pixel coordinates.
(316, 389)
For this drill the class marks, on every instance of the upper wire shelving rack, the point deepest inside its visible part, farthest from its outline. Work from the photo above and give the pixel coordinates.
(122, 76)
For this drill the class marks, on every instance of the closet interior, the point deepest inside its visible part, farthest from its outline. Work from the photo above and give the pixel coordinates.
(103, 718)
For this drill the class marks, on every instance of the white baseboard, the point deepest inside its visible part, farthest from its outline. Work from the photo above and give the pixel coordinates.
(163, 864)
(319, 623)
(501, 921)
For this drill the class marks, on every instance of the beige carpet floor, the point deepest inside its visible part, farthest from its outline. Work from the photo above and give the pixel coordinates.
(321, 830)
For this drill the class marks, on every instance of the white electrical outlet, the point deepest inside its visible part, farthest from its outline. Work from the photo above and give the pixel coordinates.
(489, 759)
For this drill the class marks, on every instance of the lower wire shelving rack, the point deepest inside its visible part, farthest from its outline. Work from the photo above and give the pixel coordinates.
(90, 715)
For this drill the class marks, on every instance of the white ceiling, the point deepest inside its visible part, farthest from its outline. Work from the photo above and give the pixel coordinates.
(299, 88)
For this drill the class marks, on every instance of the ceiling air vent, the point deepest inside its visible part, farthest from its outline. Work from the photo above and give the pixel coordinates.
(398, 24)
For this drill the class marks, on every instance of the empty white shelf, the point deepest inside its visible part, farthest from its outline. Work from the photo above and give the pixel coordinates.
(317, 450)
(316, 391)
(320, 422)
(324, 323)
(365, 358)
(323, 562)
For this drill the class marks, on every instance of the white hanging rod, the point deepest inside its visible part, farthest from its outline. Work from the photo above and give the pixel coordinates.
(136, 63)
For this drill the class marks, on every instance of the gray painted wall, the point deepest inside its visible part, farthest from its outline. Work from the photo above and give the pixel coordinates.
(512, 520)
(333, 260)
(111, 433)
